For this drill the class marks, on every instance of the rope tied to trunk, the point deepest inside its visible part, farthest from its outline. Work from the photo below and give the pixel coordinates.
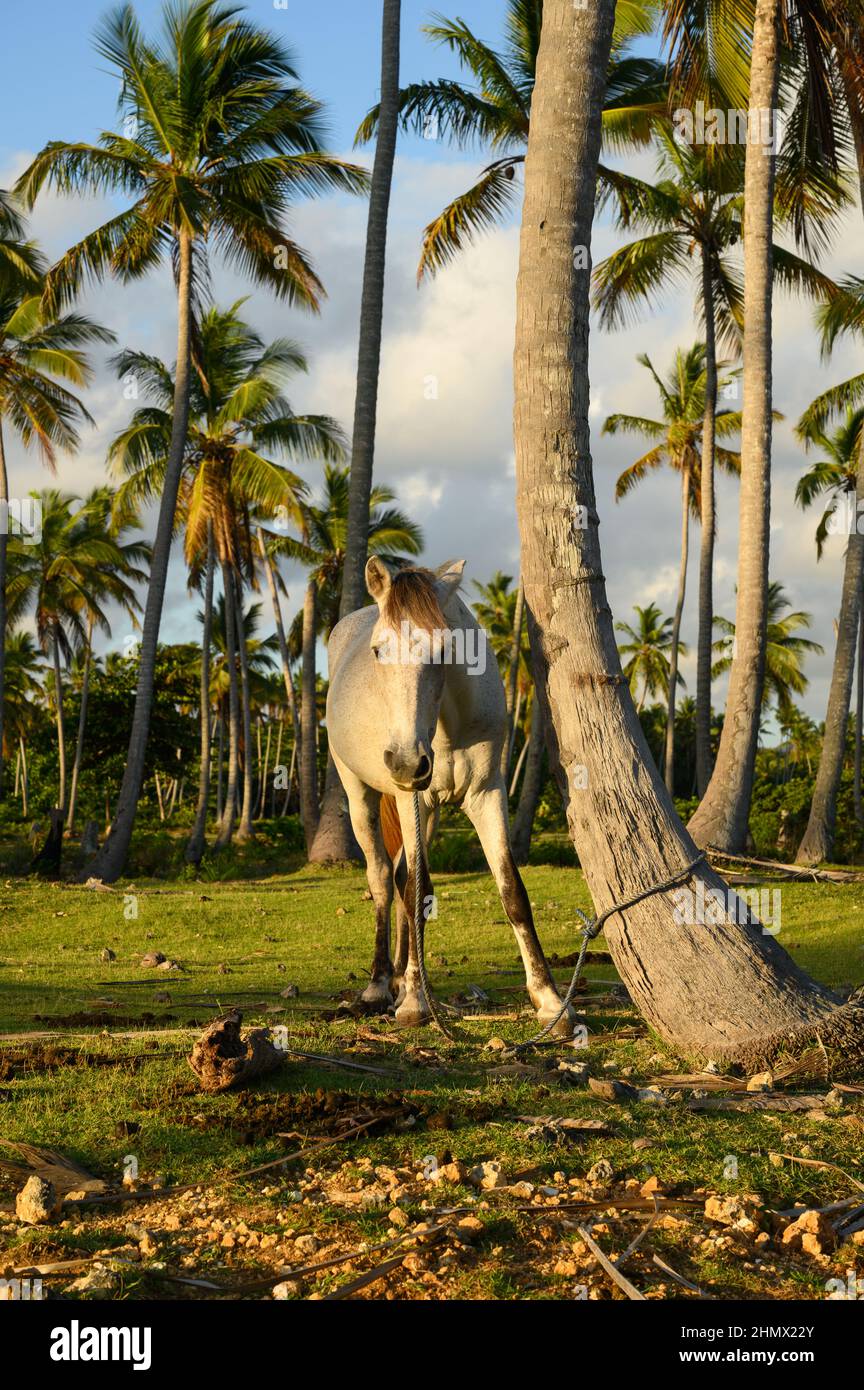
(592, 927)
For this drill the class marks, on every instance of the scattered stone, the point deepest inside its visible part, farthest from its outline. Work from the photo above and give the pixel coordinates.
(106, 955)
(292, 992)
(762, 1081)
(652, 1095)
(612, 1090)
(601, 1174)
(289, 1288)
(98, 1282)
(398, 1217)
(470, 1227)
(449, 1172)
(488, 1175)
(152, 959)
(640, 1144)
(307, 1245)
(340, 912)
(575, 1073)
(812, 1233)
(495, 1045)
(37, 1202)
(651, 1186)
(741, 1213)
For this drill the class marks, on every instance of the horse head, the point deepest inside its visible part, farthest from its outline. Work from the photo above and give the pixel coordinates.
(409, 644)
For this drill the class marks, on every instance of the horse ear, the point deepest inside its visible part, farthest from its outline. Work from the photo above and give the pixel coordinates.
(377, 579)
(449, 576)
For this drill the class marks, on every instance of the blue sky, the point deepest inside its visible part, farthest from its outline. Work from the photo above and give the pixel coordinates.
(448, 453)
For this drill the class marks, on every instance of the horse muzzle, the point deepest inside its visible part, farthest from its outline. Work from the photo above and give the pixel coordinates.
(412, 773)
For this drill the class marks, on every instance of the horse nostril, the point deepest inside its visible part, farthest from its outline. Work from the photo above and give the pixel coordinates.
(388, 758)
(423, 767)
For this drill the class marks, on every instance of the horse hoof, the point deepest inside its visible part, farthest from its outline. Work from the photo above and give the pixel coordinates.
(413, 1012)
(375, 998)
(565, 1025)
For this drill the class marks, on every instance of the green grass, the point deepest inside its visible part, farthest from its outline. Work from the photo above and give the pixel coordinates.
(312, 928)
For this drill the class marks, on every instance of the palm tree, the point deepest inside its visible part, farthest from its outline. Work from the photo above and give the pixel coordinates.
(67, 576)
(648, 652)
(35, 350)
(784, 652)
(797, 27)
(230, 633)
(679, 442)
(21, 264)
(695, 206)
(320, 549)
(219, 141)
(501, 610)
(22, 690)
(494, 109)
(715, 988)
(842, 473)
(239, 418)
(115, 519)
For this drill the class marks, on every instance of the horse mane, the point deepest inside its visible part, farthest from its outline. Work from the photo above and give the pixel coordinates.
(413, 597)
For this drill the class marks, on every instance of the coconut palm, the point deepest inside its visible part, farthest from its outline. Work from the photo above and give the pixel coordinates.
(67, 576)
(843, 472)
(22, 691)
(794, 30)
(678, 441)
(647, 653)
(320, 549)
(37, 353)
(494, 109)
(117, 519)
(218, 141)
(693, 220)
(784, 652)
(835, 473)
(22, 265)
(239, 422)
(752, 1002)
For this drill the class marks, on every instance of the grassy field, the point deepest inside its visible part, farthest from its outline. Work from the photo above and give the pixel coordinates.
(93, 1064)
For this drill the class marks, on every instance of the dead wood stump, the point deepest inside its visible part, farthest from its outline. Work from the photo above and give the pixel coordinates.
(221, 1058)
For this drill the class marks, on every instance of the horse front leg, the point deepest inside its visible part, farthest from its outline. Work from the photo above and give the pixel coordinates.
(412, 1007)
(363, 805)
(487, 812)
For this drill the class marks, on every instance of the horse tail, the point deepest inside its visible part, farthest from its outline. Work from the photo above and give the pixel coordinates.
(391, 827)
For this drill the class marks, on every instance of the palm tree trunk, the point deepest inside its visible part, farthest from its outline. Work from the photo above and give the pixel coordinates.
(513, 678)
(82, 723)
(706, 545)
(280, 634)
(710, 985)
(371, 317)
(818, 841)
(308, 761)
(669, 765)
(24, 779)
(334, 839)
(58, 703)
(4, 529)
(197, 841)
(245, 829)
(523, 821)
(859, 715)
(220, 769)
(229, 810)
(721, 818)
(108, 863)
(264, 768)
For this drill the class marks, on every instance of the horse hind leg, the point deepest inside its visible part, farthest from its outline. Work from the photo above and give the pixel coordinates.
(377, 997)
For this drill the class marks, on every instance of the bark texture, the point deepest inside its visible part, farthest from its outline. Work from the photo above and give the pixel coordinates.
(719, 988)
(722, 816)
(197, 842)
(82, 726)
(669, 764)
(704, 759)
(108, 863)
(308, 721)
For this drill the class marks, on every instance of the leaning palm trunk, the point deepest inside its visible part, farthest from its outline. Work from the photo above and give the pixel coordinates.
(58, 705)
(108, 863)
(24, 780)
(676, 631)
(245, 829)
(197, 841)
(334, 839)
(818, 841)
(82, 725)
(712, 986)
(523, 821)
(229, 809)
(706, 545)
(721, 818)
(308, 741)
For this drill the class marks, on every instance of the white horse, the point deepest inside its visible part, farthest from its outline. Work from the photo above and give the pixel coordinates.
(414, 706)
